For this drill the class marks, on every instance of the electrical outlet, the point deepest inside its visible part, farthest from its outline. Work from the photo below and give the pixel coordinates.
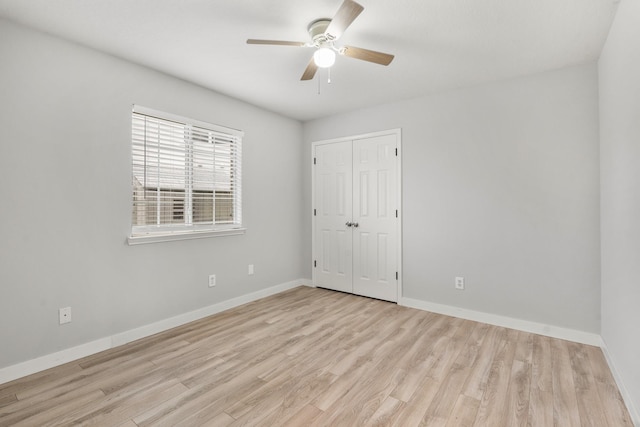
(460, 283)
(64, 315)
(250, 271)
(212, 280)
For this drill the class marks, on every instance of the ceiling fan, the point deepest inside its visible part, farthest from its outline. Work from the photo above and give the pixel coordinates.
(324, 33)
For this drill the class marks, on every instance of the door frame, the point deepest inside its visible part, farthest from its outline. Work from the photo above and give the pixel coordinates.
(398, 134)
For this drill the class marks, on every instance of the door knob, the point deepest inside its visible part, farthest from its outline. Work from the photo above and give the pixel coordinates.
(349, 224)
(355, 224)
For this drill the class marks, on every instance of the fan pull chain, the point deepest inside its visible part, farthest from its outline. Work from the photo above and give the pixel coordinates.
(328, 79)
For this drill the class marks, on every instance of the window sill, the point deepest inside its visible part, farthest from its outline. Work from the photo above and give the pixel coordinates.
(170, 237)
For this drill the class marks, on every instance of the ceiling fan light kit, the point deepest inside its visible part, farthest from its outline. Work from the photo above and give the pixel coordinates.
(324, 57)
(323, 33)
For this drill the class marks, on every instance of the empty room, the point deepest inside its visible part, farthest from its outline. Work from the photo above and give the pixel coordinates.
(320, 213)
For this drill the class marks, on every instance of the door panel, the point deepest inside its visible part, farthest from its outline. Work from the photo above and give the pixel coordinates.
(333, 201)
(374, 207)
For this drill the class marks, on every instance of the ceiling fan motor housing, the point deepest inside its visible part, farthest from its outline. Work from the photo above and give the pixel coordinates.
(317, 30)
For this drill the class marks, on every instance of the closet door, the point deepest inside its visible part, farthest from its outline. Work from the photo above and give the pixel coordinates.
(333, 204)
(374, 212)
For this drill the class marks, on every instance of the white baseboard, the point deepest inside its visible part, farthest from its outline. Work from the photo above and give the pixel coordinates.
(504, 321)
(32, 366)
(634, 411)
(307, 282)
(29, 367)
(172, 322)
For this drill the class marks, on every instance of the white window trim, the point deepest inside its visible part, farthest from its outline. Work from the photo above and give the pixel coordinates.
(182, 235)
(169, 234)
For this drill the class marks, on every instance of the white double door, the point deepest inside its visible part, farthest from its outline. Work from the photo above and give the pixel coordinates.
(356, 216)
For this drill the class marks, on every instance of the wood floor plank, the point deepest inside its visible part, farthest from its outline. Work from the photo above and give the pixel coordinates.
(6, 399)
(565, 401)
(434, 346)
(387, 413)
(615, 410)
(118, 412)
(43, 404)
(416, 406)
(464, 412)
(298, 393)
(43, 396)
(220, 420)
(279, 392)
(368, 393)
(493, 406)
(313, 357)
(198, 405)
(476, 382)
(589, 404)
(39, 381)
(541, 390)
(38, 417)
(340, 386)
(304, 417)
(422, 332)
(524, 347)
(451, 386)
(518, 394)
(449, 343)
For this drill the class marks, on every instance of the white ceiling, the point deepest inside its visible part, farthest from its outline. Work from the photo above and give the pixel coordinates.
(438, 44)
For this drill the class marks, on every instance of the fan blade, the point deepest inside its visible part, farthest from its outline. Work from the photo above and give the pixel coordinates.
(276, 42)
(347, 13)
(367, 55)
(310, 71)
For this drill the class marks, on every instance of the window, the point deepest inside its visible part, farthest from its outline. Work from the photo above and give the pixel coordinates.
(186, 178)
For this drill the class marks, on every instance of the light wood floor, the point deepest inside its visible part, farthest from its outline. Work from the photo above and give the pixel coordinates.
(312, 357)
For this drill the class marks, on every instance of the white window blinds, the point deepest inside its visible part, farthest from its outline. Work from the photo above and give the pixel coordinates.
(186, 174)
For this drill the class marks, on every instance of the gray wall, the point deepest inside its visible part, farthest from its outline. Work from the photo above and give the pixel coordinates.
(619, 70)
(501, 186)
(65, 194)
